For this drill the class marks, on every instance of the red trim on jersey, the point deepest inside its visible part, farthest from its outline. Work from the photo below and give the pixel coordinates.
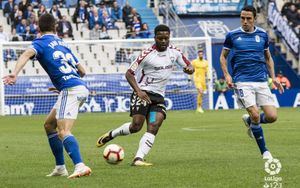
(187, 62)
(144, 54)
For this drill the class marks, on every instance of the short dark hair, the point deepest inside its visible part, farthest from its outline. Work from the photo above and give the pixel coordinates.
(250, 8)
(161, 27)
(47, 23)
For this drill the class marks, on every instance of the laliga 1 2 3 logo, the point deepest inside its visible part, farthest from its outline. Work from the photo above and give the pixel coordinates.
(272, 166)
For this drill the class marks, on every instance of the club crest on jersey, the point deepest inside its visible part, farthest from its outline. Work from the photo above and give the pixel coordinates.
(257, 38)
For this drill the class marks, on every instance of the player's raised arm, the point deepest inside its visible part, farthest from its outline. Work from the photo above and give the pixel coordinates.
(270, 66)
(223, 61)
(23, 59)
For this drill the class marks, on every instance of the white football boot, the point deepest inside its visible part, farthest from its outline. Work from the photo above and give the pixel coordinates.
(58, 171)
(80, 171)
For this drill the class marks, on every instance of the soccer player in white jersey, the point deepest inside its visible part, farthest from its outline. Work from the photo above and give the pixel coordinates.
(250, 64)
(64, 71)
(147, 100)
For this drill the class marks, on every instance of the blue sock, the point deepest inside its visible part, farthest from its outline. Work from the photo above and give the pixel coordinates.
(259, 137)
(57, 148)
(72, 148)
(262, 119)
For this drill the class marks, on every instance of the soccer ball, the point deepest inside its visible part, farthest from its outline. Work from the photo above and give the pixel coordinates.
(113, 154)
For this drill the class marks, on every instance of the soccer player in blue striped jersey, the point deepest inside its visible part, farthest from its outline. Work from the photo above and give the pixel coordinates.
(251, 62)
(65, 73)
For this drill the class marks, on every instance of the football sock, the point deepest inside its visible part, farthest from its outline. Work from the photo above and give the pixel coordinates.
(72, 148)
(57, 148)
(145, 145)
(262, 119)
(259, 137)
(122, 130)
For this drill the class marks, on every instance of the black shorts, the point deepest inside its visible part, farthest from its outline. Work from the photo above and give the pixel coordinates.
(137, 106)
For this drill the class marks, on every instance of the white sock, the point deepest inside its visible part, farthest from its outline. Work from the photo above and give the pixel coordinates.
(122, 130)
(60, 166)
(145, 145)
(79, 165)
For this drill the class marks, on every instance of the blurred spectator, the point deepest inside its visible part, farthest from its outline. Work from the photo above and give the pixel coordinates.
(28, 36)
(55, 12)
(9, 55)
(221, 85)
(81, 14)
(136, 24)
(13, 15)
(95, 32)
(102, 9)
(107, 21)
(21, 28)
(8, 9)
(29, 12)
(283, 80)
(104, 34)
(18, 18)
(42, 10)
(60, 3)
(125, 13)
(14, 36)
(291, 14)
(132, 15)
(35, 3)
(64, 28)
(23, 5)
(116, 12)
(95, 19)
(33, 24)
(3, 36)
(145, 33)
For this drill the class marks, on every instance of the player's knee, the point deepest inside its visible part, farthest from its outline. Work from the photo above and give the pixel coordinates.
(135, 126)
(271, 118)
(153, 128)
(63, 133)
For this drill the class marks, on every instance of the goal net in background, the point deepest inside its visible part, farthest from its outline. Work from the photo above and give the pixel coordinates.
(106, 63)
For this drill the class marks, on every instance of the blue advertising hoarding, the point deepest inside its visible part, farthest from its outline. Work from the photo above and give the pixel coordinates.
(209, 7)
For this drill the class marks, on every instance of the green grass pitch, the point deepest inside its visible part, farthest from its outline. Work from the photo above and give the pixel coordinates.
(191, 150)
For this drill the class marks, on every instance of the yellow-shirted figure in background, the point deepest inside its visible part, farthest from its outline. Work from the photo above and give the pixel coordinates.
(201, 70)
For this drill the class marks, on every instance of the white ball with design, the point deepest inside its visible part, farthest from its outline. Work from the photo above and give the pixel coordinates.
(113, 154)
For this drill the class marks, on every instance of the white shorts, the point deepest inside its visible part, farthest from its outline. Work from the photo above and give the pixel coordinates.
(253, 93)
(69, 101)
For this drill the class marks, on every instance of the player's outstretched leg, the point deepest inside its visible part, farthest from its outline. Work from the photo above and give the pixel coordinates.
(122, 130)
(56, 145)
(154, 121)
(71, 146)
